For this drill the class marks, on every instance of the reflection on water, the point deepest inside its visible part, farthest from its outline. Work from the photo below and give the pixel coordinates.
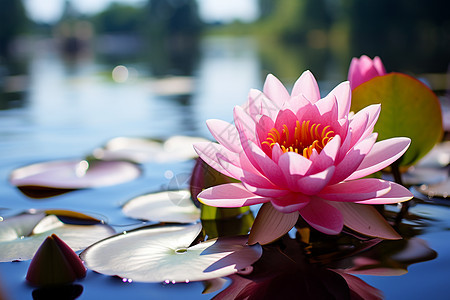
(76, 107)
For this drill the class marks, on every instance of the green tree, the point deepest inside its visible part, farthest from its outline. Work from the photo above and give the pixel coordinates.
(13, 22)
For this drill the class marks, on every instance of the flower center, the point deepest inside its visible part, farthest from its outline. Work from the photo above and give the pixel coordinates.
(306, 137)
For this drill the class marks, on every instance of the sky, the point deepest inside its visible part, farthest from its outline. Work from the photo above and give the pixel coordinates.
(210, 10)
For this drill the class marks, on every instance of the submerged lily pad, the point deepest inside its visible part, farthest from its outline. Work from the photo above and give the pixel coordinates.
(408, 108)
(56, 177)
(164, 254)
(22, 235)
(167, 206)
(142, 150)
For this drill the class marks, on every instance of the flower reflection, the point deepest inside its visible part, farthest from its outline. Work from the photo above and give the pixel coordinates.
(68, 292)
(328, 272)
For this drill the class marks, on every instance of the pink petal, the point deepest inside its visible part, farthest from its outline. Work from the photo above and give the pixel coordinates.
(225, 133)
(263, 127)
(382, 155)
(357, 125)
(270, 224)
(343, 95)
(294, 166)
(312, 184)
(327, 157)
(258, 104)
(309, 112)
(322, 216)
(351, 191)
(360, 287)
(243, 123)
(342, 128)
(367, 68)
(288, 118)
(363, 122)
(290, 203)
(265, 192)
(345, 147)
(208, 153)
(306, 85)
(247, 165)
(276, 153)
(354, 74)
(366, 219)
(353, 159)
(275, 90)
(268, 167)
(398, 193)
(364, 69)
(328, 109)
(229, 195)
(243, 175)
(378, 64)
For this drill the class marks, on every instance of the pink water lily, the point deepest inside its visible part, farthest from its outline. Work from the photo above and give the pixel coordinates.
(363, 69)
(303, 154)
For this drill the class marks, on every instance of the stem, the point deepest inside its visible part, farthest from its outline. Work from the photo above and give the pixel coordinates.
(396, 173)
(398, 179)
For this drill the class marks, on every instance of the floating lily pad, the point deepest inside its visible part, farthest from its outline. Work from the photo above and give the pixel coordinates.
(164, 254)
(408, 108)
(440, 190)
(167, 206)
(56, 177)
(22, 235)
(142, 150)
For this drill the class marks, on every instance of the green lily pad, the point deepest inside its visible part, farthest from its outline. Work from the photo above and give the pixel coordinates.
(164, 254)
(408, 109)
(22, 235)
(167, 206)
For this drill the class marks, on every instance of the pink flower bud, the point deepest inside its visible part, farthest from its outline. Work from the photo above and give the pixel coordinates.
(363, 69)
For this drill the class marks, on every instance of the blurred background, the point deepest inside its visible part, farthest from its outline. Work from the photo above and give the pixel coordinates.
(81, 70)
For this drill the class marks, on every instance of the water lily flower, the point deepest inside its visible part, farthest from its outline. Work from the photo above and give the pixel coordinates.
(363, 69)
(301, 153)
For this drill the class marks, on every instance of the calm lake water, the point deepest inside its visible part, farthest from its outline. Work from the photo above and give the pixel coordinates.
(70, 109)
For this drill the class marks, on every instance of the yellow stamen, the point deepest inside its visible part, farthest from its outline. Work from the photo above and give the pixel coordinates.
(306, 138)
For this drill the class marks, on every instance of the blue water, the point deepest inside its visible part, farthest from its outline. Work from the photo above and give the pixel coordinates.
(68, 111)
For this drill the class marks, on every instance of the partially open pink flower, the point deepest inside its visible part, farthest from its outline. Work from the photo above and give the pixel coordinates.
(363, 69)
(302, 154)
